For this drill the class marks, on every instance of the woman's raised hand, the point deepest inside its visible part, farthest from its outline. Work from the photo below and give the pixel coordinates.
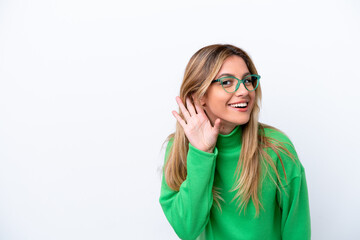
(197, 127)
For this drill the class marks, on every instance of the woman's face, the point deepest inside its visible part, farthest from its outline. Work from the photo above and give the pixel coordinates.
(218, 103)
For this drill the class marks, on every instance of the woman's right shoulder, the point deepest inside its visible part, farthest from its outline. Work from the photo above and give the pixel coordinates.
(169, 141)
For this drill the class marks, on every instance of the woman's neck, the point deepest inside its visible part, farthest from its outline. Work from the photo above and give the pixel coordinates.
(226, 128)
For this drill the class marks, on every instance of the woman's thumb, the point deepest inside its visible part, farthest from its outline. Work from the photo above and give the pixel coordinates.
(217, 125)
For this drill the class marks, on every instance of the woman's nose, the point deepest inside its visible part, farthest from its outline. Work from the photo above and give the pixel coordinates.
(241, 91)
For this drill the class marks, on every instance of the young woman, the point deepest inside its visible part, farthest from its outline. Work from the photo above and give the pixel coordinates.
(226, 175)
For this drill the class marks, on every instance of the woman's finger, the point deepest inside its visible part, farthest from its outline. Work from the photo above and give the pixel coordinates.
(179, 119)
(190, 107)
(183, 109)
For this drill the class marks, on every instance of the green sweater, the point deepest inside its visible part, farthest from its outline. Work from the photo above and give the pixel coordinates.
(192, 213)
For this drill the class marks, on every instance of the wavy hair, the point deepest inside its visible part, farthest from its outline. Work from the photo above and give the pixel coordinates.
(200, 71)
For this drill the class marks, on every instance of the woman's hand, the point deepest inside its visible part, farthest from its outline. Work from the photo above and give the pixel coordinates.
(197, 126)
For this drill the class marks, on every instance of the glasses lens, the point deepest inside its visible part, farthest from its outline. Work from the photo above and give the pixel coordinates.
(229, 84)
(251, 82)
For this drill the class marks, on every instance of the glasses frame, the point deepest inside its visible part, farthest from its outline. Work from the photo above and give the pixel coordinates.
(239, 82)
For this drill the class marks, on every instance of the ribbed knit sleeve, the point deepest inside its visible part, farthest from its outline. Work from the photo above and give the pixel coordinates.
(188, 210)
(292, 197)
(294, 204)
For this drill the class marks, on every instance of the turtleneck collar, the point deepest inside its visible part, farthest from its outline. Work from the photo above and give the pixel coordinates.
(231, 140)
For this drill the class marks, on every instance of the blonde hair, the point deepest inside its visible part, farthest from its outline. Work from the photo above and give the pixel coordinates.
(200, 71)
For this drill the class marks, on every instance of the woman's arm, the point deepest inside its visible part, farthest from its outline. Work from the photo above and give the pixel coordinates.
(293, 197)
(294, 203)
(188, 210)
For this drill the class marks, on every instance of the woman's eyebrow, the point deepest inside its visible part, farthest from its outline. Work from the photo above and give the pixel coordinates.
(229, 74)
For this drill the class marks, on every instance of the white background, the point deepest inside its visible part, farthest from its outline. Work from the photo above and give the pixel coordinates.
(87, 89)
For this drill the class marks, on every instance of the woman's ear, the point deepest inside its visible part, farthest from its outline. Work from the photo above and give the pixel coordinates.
(202, 101)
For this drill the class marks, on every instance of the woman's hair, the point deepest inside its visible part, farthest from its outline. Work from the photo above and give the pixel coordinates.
(199, 73)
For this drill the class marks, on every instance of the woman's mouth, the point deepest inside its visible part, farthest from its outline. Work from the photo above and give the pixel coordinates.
(241, 107)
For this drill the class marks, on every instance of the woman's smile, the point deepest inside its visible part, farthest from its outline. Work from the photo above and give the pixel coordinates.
(241, 106)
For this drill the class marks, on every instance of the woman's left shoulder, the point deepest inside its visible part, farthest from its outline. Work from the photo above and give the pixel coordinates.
(274, 133)
(285, 150)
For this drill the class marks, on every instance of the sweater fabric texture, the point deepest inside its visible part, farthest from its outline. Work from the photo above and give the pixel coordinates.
(191, 211)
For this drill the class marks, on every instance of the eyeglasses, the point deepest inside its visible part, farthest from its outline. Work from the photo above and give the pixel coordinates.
(231, 84)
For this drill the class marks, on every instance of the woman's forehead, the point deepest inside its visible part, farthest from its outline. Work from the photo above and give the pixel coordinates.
(234, 66)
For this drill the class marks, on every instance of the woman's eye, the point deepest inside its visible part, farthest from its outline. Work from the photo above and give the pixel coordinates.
(248, 81)
(226, 82)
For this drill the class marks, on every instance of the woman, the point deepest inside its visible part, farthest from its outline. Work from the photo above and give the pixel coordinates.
(226, 175)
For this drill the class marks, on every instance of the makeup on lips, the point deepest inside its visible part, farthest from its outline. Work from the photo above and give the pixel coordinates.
(239, 106)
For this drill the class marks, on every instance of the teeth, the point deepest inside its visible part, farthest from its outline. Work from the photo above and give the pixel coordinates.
(239, 105)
